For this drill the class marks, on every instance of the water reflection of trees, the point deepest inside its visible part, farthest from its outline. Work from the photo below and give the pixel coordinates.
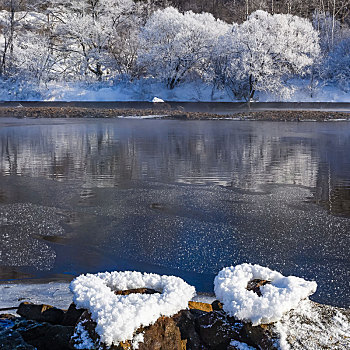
(109, 154)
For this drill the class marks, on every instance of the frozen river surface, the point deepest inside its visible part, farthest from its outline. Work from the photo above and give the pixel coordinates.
(176, 197)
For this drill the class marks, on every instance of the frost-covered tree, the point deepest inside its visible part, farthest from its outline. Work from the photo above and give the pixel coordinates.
(337, 66)
(127, 19)
(34, 57)
(10, 19)
(331, 31)
(94, 31)
(174, 45)
(265, 50)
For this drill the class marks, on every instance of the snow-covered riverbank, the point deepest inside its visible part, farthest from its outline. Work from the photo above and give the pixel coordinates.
(309, 326)
(144, 90)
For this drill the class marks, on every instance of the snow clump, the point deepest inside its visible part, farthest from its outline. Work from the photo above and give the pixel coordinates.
(82, 338)
(157, 100)
(278, 297)
(119, 316)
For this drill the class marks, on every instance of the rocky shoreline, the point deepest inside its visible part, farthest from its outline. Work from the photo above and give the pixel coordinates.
(202, 326)
(166, 112)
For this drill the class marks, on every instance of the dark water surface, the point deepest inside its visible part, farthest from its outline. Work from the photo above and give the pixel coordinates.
(176, 197)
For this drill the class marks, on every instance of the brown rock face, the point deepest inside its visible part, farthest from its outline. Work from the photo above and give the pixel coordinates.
(200, 306)
(136, 291)
(163, 335)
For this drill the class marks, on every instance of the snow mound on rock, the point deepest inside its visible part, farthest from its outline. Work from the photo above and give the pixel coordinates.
(278, 297)
(119, 316)
(157, 100)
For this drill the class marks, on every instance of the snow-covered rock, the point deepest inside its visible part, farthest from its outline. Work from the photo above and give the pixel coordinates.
(119, 316)
(278, 297)
(314, 326)
(157, 100)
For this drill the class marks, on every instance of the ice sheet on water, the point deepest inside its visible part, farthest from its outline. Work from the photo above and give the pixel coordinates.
(21, 224)
(54, 293)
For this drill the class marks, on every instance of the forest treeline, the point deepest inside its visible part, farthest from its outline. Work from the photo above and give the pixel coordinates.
(233, 10)
(239, 10)
(244, 46)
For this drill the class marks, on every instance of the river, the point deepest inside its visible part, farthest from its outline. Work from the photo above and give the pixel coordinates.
(175, 197)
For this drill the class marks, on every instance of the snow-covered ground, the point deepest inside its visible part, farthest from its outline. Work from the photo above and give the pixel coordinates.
(314, 326)
(147, 90)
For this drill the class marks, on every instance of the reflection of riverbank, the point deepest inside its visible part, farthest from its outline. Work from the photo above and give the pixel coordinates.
(166, 111)
(108, 153)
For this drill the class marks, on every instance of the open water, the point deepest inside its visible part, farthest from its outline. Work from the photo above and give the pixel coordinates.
(176, 197)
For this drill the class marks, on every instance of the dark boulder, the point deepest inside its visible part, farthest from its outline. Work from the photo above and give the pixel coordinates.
(44, 336)
(72, 315)
(185, 320)
(41, 313)
(216, 329)
(217, 305)
(12, 340)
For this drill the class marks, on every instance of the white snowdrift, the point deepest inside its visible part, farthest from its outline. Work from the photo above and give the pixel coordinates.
(119, 316)
(278, 297)
(141, 117)
(157, 100)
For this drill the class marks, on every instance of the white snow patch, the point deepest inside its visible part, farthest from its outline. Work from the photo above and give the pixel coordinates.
(119, 316)
(157, 100)
(146, 89)
(241, 346)
(314, 326)
(138, 338)
(204, 298)
(82, 338)
(278, 297)
(141, 117)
